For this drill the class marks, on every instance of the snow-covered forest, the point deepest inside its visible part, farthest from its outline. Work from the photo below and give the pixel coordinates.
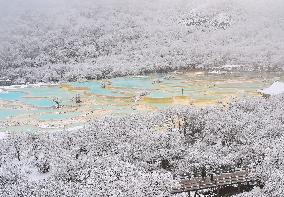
(126, 156)
(140, 154)
(67, 40)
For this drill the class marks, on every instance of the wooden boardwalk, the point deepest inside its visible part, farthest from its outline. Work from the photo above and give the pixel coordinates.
(214, 181)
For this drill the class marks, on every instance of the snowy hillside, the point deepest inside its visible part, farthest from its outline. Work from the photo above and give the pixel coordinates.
(124, 156)
(68, 40)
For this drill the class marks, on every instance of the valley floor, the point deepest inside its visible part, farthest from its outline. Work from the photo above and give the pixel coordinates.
(125, 156)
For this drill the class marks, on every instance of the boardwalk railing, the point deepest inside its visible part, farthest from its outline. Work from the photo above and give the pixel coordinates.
(214, 181)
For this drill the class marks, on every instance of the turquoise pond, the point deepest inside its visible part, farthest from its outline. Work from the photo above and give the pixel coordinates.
(35, 106)
(12, 95)
(7, 113)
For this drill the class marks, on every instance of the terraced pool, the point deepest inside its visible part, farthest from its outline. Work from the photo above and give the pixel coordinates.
(36, 106)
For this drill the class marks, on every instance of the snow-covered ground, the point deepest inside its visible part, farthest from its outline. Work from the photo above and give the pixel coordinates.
(124, 155)
(275, 89)
(3, 135)
(69, 40)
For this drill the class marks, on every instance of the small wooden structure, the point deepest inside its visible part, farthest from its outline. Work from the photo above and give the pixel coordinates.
(216, 182)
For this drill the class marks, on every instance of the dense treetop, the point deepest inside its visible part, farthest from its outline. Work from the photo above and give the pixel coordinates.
(126, 156)
(70, 40)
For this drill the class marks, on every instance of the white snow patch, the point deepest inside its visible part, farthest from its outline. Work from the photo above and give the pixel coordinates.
(50, 126)
(3, 91)
(275, 89)
(3, 135)
(218, 72)
(75, 128)
(36, 176)
(231, 66)
(14, 87)
(33, 174)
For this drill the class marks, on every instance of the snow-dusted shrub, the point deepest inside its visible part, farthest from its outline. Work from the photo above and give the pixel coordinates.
(67, 40)
(137, 155)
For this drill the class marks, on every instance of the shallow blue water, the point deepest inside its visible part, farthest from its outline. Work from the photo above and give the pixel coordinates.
(124, 86)
(133, 82)
(44, 94)
(159, 94)
(95, 87)
(49, 91)
(8, 113)
(39, 102)
(119, 96)
(12, 95)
